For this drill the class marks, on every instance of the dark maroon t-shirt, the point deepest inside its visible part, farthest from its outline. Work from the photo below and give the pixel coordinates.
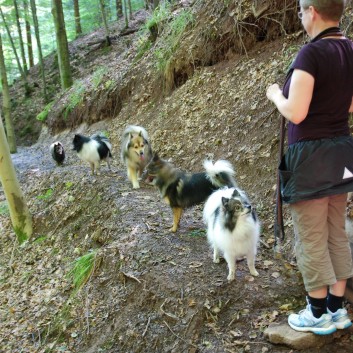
(330, 62)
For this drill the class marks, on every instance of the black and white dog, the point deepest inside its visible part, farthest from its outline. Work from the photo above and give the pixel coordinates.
(232, 228)
(93, 149)
(57, 152)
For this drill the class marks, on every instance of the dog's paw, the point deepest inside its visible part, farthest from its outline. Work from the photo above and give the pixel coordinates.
(231, 275)
(254, 272)
(173, 229)
(216, 260)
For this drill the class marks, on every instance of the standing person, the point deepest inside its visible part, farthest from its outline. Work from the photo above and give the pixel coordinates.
(317, 170)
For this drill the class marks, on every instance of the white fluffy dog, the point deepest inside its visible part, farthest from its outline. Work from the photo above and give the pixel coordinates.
(232, 228)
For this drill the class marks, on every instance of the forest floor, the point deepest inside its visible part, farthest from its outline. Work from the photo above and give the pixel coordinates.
(151, 290)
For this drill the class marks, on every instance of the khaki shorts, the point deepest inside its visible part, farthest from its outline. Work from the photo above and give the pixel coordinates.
(321, 243)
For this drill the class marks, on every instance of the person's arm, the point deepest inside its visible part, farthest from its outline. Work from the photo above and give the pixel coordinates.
(294, 108)
(351, 107)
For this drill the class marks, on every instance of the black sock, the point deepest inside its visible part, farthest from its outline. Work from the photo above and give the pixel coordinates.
(318, 306)
(334, 303)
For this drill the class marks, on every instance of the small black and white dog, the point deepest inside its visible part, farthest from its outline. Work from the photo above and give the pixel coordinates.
(93, 149)
(57, 152)
(232, 228)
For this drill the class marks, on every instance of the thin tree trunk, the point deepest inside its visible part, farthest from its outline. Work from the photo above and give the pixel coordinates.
(39, 47)
(21, 218)
(62, 45)
(119, 9)
(28, 35)
(155, 4)
(22, 47)
(104, 17)
(126, 15)
(130, 9)
(24, 78)
(6, 103)
(77, 18)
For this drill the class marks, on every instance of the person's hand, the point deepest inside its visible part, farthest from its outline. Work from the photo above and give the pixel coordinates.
(273, 91)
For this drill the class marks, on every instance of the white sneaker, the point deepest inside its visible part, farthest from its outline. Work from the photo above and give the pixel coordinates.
(340, 319)
(305, 321)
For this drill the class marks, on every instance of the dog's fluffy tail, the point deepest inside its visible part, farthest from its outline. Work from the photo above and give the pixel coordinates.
(220, 173)
(135, 129)
(100, 137)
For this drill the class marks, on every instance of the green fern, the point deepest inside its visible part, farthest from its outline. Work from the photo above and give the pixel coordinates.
(82, 268)
(174, 31)
(42, 116)
(75, 98)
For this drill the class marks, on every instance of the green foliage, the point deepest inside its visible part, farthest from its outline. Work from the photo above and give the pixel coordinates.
(40, 239)
(98, 75)
(153, 25)
(144, 45)
(159, 15)
(108, 84)
(45, 196)
(198, 233)
(68, 185)
(42, 116)
(4, 209)
(174, 31)
(82, 268)
(75, 98)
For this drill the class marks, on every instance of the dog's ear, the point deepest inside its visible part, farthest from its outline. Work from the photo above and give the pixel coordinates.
(155, 157)
(225, 202)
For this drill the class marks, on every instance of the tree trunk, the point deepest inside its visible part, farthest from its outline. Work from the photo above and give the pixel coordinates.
(22, 47)
(20, 216)
(155, 4)
(130, 9)
(104, 17)
(119, 9)
(39, 46)
(6, 103)
(28, 35)
(77, 18)
(62, 45)
(126, 15)
(24, 78)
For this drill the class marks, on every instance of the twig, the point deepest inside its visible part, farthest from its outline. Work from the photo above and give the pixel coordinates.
(189, 323)
(148, 323)
(268, 115)
(189, 343)
(130, 276)
(168, 314)
(265, 244)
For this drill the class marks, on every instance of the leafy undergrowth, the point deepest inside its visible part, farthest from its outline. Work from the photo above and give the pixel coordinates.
(146, 290)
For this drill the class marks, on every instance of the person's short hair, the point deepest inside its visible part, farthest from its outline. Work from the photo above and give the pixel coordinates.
(328, 9)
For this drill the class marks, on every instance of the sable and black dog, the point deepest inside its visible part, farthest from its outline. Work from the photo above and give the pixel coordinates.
(57, 152)
(135, 153)
(93, 149)
(181, 190)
